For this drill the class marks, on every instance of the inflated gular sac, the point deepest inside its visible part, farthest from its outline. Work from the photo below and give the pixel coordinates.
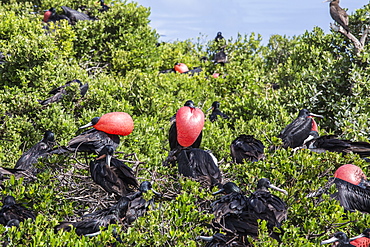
(350, 173)
(115, 123)
(189, 123)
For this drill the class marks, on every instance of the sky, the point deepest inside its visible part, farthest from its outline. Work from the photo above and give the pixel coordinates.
(189, 19)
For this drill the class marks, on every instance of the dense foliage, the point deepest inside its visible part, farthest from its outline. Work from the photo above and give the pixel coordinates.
(119, 57)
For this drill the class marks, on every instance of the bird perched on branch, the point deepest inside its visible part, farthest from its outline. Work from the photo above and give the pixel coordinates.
(71, 15)
(112, 174)
(39, 150)
(61, 91)
(338, 14)
(301, 130)
(14, 211)
(247, 148)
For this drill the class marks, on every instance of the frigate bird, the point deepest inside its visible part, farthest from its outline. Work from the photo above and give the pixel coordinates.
(91, 141)
(138, 205)
(104, 7)
(341, 238)
(361, 240)
(338, 14)
(189, 133)
(216, 112)
(220, 57)
(238, 214)
(332, 144)
(106, 131)
(39, 150)
(219, 37)
(200, 165)
(221, 240)
(60, 92)
(14, 211)
(112, 174)
(71, 15)
(91, 224)
(247, 148)
(301, 130)
(353, 190)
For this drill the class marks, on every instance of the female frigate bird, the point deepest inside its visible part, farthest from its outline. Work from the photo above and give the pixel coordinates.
(301, 130)
(338, 14)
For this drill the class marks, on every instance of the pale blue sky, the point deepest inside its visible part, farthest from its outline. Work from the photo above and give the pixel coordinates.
(188, 19)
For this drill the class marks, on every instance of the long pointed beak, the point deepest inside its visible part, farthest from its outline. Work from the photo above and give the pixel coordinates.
(330, 240)
(359, 236)
(205, 238)
(211, 108)
(219, 191)
(108, 159)
(156, 192)
(326, 1)
(316, 115)
(278, 189)
(86, 125)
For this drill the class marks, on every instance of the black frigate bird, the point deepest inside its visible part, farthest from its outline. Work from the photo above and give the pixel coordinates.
(238, 214)
(219, 37)
(60, 92)
(363, 239)
(172, 135)
(221, 240)
(112, 174)
(138, 206)
(91, 224)
(353, 197)
(341, 238)
(220, 57)
(332, 144)
(216, 112)
(90, 141)
(71, 15)
(200, 165)
(39, 150)
(350, 196)
(338, 14)
(228, 211)
(104, 7)
(14, 211)
(246, 148)
(301, 130)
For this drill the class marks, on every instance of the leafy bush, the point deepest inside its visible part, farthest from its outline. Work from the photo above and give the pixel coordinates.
(261, 89)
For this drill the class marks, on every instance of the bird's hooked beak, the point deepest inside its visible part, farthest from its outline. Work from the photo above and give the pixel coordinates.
(278, 189)
(359, 236)
(205, 238)
(330, 240)
(326, 1)
(219, 191)
(315, 115)
(86, 125)
(211, 108)
(107, 158)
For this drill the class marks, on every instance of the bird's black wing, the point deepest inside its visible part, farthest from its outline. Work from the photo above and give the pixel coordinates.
(352, 197)
(106, 178)
(75, 15)
(124, 172)
(296, 132)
